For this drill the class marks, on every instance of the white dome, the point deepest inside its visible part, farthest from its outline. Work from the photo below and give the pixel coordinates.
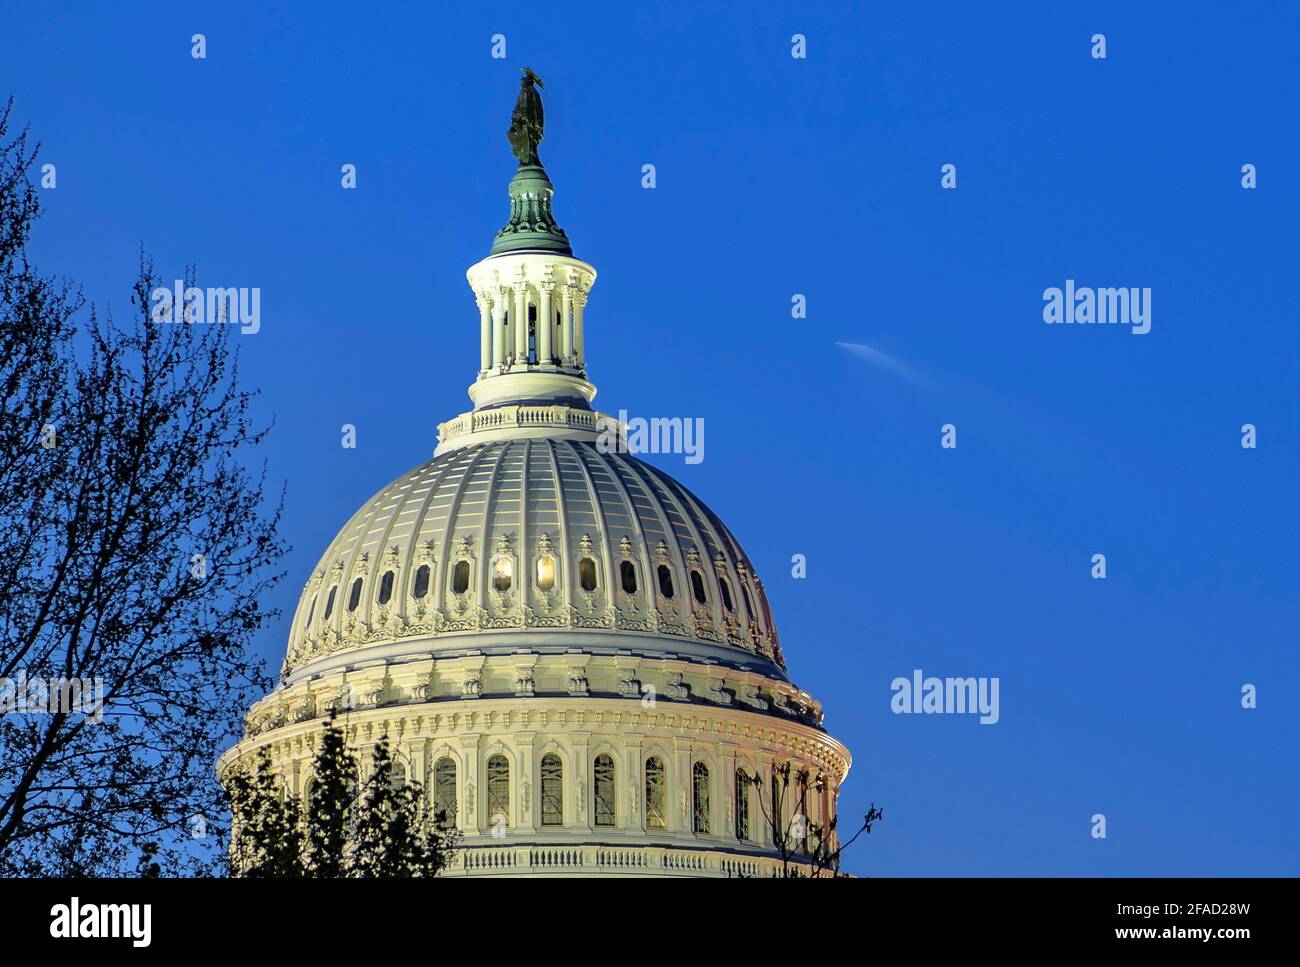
(536, 543)
(566, 648)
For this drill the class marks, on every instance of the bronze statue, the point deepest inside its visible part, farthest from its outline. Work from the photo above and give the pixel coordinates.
(525, 132)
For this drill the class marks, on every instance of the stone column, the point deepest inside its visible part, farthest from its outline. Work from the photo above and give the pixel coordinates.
(680, 805)
(484, 329)
(633, 786)
(545, 322)
(579, 343)
(566, 327)
(525, 788)
(726, 786)
(520, 315)
(471, 788)
(579, 792)
(762, 800)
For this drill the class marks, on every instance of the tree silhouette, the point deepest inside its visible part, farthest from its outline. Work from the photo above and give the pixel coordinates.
(383, 830)
(133, 552)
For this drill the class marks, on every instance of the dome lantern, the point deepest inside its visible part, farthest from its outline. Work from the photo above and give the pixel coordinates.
(532, 296)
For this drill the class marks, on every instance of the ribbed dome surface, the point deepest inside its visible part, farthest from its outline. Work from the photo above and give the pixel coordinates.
(551, 538)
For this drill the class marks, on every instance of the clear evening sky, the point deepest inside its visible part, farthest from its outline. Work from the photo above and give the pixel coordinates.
(821, 176)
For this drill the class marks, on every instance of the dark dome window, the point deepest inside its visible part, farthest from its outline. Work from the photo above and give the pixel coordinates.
(329, 603)
(311, 610)
(460, 578)
(749, 605)
(726, 594)
(386, 587)
(697, 587)
(665, 581)
(421, 586)
(354, 598)
(627, 572)
(587, 574)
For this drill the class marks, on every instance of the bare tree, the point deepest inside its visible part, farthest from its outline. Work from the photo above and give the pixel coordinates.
(806, 847)
(134, 548)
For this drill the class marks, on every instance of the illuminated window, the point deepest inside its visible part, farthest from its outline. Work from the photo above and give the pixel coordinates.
(656, 794)
(503, 573)
(545, 572)
(700, 797)
(604, 792)
(742, 805)
(498, 789)
(444, 793)
(552, 790)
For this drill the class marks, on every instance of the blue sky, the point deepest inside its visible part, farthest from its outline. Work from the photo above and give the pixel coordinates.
(820, 176)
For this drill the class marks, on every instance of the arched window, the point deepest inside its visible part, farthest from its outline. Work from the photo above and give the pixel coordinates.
(656, 794)
(552, 790)
(665, 581)
(309, 791)
(329, 603)
(700, 798)
(444, 792)
(697, 587)
(460, 578)
(397, 779)
(421, 586)
(386, 587)
(603, 772)
(311, 610)
(587, 574)
(742, 805)
(503, 573)
(726, 594)
(627, 573)
(498, 791)
(354, 598)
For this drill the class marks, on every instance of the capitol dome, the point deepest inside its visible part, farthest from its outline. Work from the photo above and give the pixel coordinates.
(565, 646)
(548, 542)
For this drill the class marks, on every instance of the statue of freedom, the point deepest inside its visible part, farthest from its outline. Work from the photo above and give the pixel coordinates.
(525, 132)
